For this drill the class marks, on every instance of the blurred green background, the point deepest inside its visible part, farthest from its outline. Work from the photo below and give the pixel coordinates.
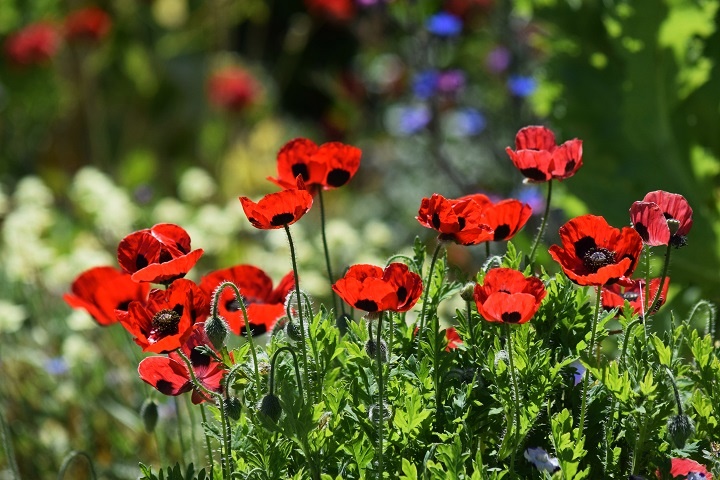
(168, 110)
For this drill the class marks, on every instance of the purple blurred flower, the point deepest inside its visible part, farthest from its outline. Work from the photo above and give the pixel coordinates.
(450, 81)
(425, 84)
(521, 86)
(444, 24)
(405, 120)
(579, 371)
(465, 122)
(498, 60)
(531, 195)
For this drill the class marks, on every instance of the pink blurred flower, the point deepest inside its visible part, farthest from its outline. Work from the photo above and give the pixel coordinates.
(91, 23)
(33, 44)
(233, 89)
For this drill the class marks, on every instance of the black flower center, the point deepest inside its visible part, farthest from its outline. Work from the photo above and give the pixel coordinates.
(165, 256)
(367, 305)
(402, 294)
(596, 258)
(510, 317)
(124, 305)
(435, 221)
(533, 173)
(281, 219)
(643, 231)
(337, 177)
(461, 222)
(165, 322)
(570, 165)
(501, 232)
(300, 169)
(141, 262)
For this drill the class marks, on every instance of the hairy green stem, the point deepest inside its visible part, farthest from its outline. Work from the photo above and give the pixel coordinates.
(381, 395)
(179, 426)
(207, 443)
(303, 345)
(586, 377)
(653, 306)
(543, 224)
(427, 293)
(288, 349)
(678, 402)
(516, 399)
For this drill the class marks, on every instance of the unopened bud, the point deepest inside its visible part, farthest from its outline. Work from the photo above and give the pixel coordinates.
(680, 428)
(270, 407)
(371, 349)
(293, 332)
(149, 414)
(468, 292)
(217, 331)
(232, 407)
(673, 225)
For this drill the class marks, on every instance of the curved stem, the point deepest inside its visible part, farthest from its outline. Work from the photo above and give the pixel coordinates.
(381, 395)
(193, 378)
(543, 224)
(399, 256)
(69, 459)
(586, 378)
(427, 293)
(286, 348)
(241, 302)
(628, 332)
(516, 399)
(300, 315)
(207, 443)
(327, 253)
(652, 309)
(678, 402)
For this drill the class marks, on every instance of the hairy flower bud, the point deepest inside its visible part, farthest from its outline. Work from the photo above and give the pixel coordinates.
(293, 332)
(680, 428)
(371, 349)
(270, 407)
(216, 329)
(149, 414)
(232, 407)
(467, 292)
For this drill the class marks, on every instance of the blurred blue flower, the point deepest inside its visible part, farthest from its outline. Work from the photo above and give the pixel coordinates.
(56, 366)
(498, 60)
(425, 84)
(542, 461)
(450, 81)
(464, 122)
(521, 86)
(403, 120)
(533, 196)
(444, 24)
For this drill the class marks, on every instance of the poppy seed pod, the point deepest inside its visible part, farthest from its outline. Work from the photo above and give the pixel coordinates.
(371, 349)
(232, 407)
(293, 332)
(216, 330)
(270, 407)
(680, 428)
(149, 414)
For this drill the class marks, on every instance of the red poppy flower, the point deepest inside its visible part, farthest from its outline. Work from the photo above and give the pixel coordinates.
(170, 376)
(264, 304)
(407, 286)
(683, 467)
(331, 165)
(507, 296)
(90, 23)
(458, 220)
(634, 292)
(34, 44)
(370, 288)
(662, 218)
(103, 290)
(594, 253)
(159, 254)
(540, 159)
(453, 339)
(276, 210)
(233, 89)
(165, 322)
(504, 218)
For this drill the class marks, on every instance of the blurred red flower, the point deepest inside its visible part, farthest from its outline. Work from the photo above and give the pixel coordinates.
(662, 218)
(370, 288)
(458, 220)
(276, 210)
(330, 165)
(264, 304)
(683, 467)
(505, 218)
(233, 89)
(540, 159)
(594, 253)
(159, 254)
(453, 339)
(338, 10)
(91, 23)
(170, 376)
(634, 292)
(103, 290)
(33, 44)
(507, 296)
(165, 321)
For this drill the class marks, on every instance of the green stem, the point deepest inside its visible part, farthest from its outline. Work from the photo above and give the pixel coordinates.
(8, 447)
(227, 457)
(207, 443)
(241, 302)
(652, 308)
(327, 253)
(487, 250)
(586, 377)
(286, 348)
(427, 293)
(300, 315)
(381, 395)
(179, 426)
(646, 299)
(471, 329)
(628, 332)
(678, 402)
(68, 460)
(516, 399)
(543, 224)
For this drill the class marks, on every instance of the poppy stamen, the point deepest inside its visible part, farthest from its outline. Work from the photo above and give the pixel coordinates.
(166, 322)
(596, 258)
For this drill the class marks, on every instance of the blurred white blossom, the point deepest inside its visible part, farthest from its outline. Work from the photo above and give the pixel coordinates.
(12, 316)
(196, 186)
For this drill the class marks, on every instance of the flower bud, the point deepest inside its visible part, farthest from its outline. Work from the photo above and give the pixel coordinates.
(217, 331)
(371, 349)
(293, 332)
(680, 428)
(232, 407)
(468, 291)
(149, 414)
(673, 225)
(270, 407)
